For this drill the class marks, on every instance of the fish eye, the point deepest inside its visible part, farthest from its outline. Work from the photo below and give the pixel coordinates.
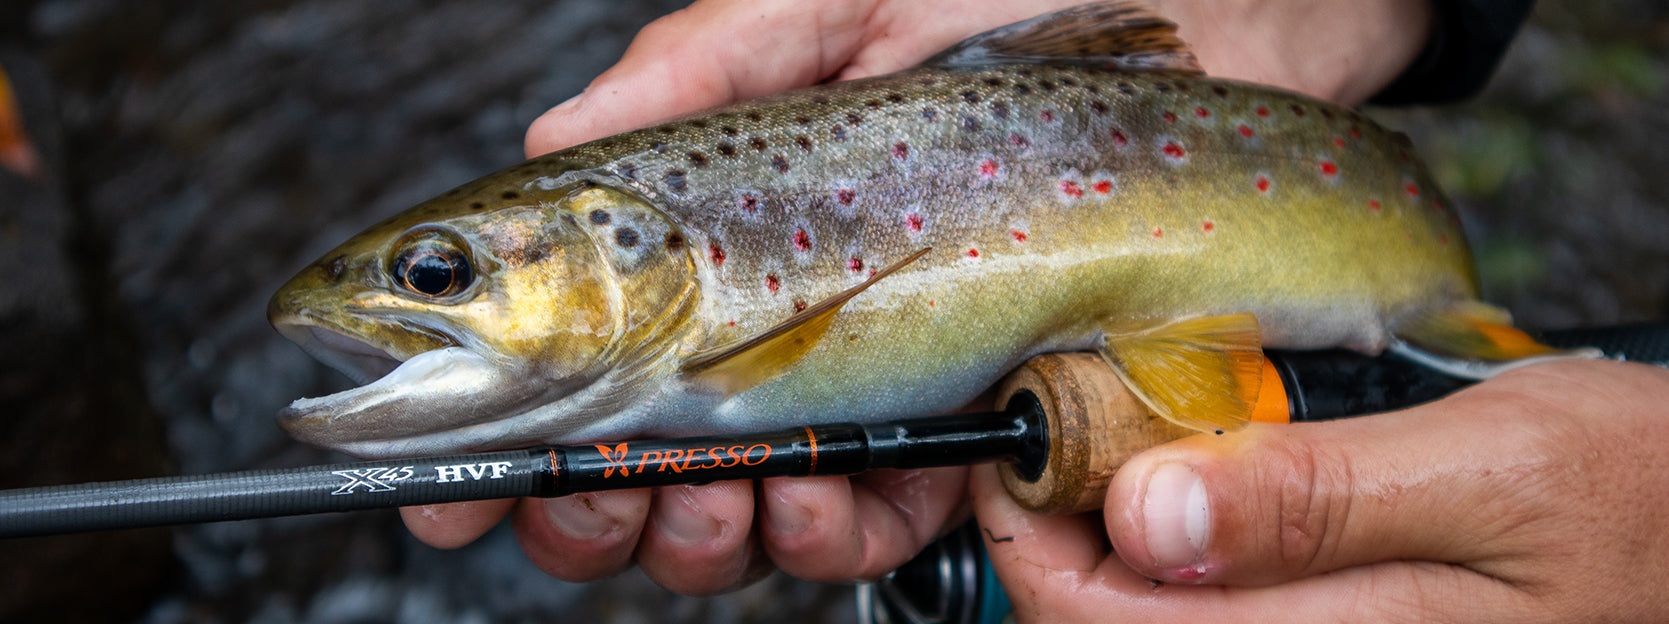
(431, 265)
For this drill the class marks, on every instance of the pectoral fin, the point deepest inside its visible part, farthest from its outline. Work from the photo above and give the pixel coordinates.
(1125, 35)
(1471, 340)
(1203, 373)
(754, 360)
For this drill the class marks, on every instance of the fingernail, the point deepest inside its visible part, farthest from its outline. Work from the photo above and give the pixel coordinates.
(1177, 514)
(787, 517)
(576, 517)
(682, 520)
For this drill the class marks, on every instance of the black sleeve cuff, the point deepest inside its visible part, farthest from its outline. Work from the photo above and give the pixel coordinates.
(1467, 40)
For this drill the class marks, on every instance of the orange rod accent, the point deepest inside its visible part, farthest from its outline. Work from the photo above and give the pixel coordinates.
(813, 438)
(1272, 398)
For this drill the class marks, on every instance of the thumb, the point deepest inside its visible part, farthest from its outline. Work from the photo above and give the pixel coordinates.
(1276, 503)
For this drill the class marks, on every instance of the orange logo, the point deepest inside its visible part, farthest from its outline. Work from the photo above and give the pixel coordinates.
(616, 459)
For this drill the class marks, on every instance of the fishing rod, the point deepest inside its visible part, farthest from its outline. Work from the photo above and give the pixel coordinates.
(1062, 426)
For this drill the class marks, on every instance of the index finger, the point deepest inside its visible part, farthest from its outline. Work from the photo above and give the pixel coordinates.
(713, 52)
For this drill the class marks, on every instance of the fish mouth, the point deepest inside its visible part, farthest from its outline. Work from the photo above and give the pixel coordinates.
(361, 361)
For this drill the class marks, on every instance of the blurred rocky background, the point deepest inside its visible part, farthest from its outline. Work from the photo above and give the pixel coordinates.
(193, 155)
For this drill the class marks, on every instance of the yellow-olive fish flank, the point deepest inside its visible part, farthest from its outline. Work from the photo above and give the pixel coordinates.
(889, 247)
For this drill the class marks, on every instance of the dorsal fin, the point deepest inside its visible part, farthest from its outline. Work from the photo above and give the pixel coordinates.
(754, 360)
(1123, 34)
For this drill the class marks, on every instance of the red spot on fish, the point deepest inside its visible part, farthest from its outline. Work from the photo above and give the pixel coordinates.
(1338, 141)
(1046, 116)
(1158, 232)
(845, 196)
(802, 240)
(854, 264)
(1071, 189)
(1443, 239)
(1119, 139)
(973, 253)
(1018, 140)
(872, 272)
(901, 150)
(1263, 184)
(931, 303)
(988, 168)
(1413, 189)
(1208, 226)
(1104, 187)
(1329, 169)
(1174, 151)
(749, 203)
(1246, 131)
(1263, 112)
(913, 221)
(717, 254)
(1373, 204)
(1355, 133)
(772, 283)
(799, 305)
(1170, 117)
(1437, 205)
(1019, 237)
(1201, 112)
(732, 322)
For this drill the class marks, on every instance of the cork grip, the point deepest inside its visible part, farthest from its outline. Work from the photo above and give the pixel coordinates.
(1094, 425)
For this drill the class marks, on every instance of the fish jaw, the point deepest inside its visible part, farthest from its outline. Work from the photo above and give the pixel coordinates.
(433, 391)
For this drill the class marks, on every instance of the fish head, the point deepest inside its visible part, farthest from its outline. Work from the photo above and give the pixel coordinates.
(474, 308)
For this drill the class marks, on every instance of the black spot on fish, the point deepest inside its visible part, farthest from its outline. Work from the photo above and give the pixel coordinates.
(1098, 106)
(1068, 81)
(1022, 88)
(895, 98)
(606, 144)
(853, 118)
(674, 241)
(698, 123)
(1220, 90)
(1297, 110)
(627, 170)
(995, 82)
(1325, 113)
(667, 130)
(509, 195)
(1046, 85)
(758, 144)
(725, 149)
(804, 142)
(820, 99)
(872, 103)
(1092, 88)
(626, 237)
(780, 163)
(599, 217)
(657, 147)
(1126, 88)
(928, 82)
(1024, 73)
(754, 116)
(970, 96)
(838, 133)
(698, 159)
(1161, 87)
(588, 184)
(970, 124)
(1182, 87)
(675, 180)
(476, 205)
(930, 114)
(454, 192)
(999, 110)
(730, 130)
(802, 120)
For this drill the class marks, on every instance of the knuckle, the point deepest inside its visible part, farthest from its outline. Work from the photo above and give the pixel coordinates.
(1313, 505)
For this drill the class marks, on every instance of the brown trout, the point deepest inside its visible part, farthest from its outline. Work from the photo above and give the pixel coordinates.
(890, 247)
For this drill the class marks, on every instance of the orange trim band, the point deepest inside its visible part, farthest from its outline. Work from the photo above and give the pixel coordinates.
(812, 437)
(1271, 406)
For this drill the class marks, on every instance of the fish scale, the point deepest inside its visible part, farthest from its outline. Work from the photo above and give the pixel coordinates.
(758, 264)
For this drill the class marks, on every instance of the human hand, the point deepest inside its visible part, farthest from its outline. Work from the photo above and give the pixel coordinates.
(1535, 496)
(706, 539)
